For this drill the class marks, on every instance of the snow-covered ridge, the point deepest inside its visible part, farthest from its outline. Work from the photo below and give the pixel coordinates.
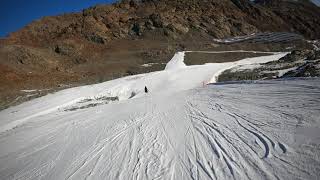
(177, 61)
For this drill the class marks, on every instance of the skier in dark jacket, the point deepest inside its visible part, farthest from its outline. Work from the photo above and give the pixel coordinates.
(145, 89)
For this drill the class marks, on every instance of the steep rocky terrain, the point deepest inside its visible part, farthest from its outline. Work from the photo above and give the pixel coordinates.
(109, 41)
(298, 63)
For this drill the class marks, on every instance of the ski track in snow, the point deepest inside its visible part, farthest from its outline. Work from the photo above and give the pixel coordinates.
(180, 130)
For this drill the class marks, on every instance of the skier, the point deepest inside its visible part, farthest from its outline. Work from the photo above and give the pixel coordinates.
(145, 89)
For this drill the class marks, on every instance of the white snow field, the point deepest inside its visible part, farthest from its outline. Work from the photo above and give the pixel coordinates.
(268, 37)
(180, 130)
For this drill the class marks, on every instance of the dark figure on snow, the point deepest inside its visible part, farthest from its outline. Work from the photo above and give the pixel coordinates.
(145, 89)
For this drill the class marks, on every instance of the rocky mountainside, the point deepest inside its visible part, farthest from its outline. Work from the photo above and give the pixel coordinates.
(218, 18)
(109, 41)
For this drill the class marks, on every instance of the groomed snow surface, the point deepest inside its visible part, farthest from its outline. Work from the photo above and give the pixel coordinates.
(180, 130)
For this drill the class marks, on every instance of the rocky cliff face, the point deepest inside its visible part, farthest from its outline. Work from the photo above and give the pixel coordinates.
(109, 41)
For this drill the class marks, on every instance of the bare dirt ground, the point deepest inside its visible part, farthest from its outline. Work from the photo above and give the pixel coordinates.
(198, 58)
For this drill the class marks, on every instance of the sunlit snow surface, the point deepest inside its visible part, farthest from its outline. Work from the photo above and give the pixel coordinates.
(180, 130)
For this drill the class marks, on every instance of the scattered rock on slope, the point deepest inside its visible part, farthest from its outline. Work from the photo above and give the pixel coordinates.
(298, 63)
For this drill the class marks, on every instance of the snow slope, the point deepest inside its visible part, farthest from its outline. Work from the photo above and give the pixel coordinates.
(268, 37)
(174, 78)
(261, 130)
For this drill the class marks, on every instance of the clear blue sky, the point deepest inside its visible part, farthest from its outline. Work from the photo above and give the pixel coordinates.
(14, 14)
